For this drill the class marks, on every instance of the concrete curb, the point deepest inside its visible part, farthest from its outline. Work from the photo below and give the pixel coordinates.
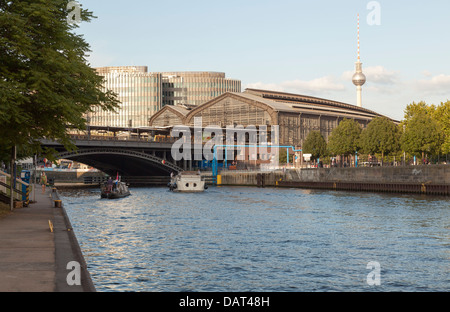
(67, 249)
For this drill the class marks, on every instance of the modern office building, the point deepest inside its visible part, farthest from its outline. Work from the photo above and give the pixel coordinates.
(195, 88)
(141, 93)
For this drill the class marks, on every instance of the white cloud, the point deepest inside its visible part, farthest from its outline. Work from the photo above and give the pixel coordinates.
(375, 74)
(319, 85)
(379, 74)
(426, 73)
(439, 84)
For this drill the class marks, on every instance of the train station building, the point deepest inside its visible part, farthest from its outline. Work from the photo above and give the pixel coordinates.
(296, 115)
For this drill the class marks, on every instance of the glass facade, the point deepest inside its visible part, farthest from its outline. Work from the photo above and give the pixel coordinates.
(139, 93)
(232, 111)
(196, 88)
(142, 94)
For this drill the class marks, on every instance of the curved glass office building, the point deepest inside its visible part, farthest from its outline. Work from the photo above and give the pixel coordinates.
(142, 93)
(196, 88)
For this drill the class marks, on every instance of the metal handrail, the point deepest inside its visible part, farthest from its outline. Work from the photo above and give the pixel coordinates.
(9, 187)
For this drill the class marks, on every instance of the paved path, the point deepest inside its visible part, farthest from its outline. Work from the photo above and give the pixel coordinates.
(33, 258)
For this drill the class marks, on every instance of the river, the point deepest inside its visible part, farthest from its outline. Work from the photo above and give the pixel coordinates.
(239, 239)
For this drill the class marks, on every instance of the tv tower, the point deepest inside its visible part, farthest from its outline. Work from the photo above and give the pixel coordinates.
(359, 79)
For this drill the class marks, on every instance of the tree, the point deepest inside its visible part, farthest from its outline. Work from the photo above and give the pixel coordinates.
(380, 136)
(46, 84)
(415, 109)
(344, 139)
(442, 116)
(315, 145)
(422, 135)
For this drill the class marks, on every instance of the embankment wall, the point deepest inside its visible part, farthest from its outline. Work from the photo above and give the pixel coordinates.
(71, 177)
(432, 179)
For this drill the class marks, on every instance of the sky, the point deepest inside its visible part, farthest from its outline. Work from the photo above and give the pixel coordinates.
(297, 46)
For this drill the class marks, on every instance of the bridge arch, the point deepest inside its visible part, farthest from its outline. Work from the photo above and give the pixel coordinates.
(123, 161)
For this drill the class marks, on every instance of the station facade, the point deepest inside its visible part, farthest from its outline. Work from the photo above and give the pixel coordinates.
(296, 115)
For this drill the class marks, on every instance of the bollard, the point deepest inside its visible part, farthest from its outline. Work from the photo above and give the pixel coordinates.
(423, 189)
(58, 203)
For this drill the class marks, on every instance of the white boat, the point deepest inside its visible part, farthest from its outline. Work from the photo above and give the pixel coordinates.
(187, 181)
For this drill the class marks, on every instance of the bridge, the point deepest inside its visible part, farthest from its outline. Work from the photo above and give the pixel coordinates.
(138, 153)
(130, 155)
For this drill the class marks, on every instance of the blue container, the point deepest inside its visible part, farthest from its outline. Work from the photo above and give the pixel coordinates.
(25, 175)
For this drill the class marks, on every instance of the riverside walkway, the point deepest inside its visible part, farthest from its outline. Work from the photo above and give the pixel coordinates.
(34, 257)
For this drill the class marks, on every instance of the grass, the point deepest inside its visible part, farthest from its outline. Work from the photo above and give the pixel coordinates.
(4, 210)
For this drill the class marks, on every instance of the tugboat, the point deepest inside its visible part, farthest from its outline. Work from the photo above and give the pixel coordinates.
(114, 189)
(188, 182)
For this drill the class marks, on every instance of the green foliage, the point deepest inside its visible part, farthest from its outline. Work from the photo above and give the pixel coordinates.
(422, 135)
(442, 116)
(426, 129)
(344, 139)
(415, 109)
(315, 144)
(282, 156)
(46, 84)
(381, 136)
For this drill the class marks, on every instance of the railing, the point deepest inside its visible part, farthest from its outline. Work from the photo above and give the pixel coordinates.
(21, 190)
(84, 137)
(94, 180)
(146, 180)
(215, 167)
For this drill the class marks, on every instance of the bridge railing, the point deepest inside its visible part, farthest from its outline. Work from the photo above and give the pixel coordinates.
(84, 137)
(94, 180)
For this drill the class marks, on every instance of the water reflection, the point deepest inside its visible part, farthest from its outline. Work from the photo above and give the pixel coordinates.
(249, 239)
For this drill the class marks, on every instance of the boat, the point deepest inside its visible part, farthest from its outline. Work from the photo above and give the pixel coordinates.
(119, 190)
(188, 182)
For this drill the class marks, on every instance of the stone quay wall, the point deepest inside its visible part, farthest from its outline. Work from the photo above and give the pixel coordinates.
(428, 179)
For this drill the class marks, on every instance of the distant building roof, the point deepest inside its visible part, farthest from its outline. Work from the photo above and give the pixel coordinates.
(297, 101)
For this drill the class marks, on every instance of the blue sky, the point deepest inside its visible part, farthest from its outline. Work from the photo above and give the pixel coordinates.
(304, 47)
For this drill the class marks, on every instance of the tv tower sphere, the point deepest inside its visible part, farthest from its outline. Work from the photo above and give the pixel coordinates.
(359, 79)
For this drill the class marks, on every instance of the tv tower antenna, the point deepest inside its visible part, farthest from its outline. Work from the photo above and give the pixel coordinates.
(359, 79)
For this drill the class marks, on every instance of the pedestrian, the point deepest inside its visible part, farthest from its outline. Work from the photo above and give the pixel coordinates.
(43, 182)
(110, 184)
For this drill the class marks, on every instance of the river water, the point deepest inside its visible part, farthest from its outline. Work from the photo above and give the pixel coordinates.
(239, 239)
